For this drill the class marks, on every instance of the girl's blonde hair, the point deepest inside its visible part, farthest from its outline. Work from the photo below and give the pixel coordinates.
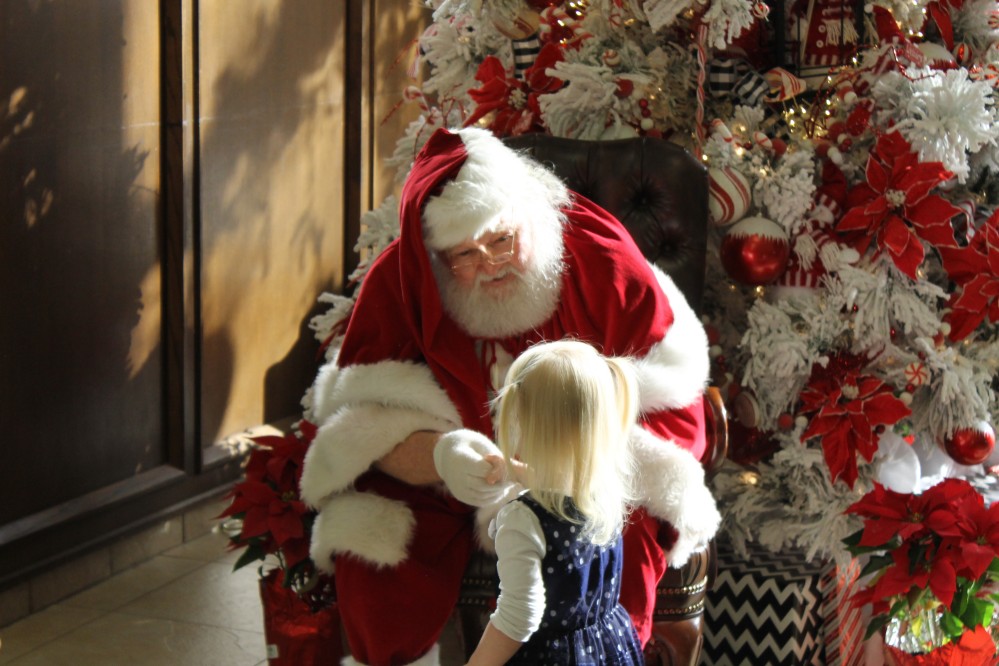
(565, 412)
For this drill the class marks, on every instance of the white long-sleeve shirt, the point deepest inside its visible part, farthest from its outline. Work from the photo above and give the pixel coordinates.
(520, 547)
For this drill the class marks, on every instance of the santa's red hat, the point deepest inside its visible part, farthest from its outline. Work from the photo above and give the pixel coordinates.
(481, 184)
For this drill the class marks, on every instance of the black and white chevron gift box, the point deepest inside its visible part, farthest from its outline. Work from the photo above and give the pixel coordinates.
(775, 609)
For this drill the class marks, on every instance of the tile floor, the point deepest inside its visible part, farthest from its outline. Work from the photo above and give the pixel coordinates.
(184, 606)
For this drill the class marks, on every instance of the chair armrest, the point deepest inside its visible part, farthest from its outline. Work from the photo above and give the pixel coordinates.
(716, 430)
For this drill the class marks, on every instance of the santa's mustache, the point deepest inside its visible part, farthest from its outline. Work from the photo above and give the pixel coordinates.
(498, 275)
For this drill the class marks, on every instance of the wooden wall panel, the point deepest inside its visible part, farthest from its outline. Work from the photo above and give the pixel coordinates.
(271, 121)
(80, 365)
(397, 26)
(171, 193)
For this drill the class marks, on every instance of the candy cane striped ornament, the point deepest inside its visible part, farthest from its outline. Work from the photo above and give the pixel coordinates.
(916, 373)
(729, 195)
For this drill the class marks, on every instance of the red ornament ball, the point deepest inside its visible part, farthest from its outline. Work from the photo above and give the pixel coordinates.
(755, 251)
(971, 446)
(541, 4)
(785, 421)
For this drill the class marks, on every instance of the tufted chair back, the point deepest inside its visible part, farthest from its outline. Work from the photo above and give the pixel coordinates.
(658, 190)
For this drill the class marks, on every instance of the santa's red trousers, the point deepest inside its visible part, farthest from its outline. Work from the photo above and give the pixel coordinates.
(394, 615)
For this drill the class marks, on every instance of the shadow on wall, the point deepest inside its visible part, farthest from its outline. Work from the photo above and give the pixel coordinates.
(79, 211)
(270, 124)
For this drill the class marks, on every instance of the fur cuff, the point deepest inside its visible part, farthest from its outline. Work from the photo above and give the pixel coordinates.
(375, 529)
(670, 485)
(675, 371)
(352, 439)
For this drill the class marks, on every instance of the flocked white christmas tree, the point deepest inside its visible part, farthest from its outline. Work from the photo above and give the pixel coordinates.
(853, 290)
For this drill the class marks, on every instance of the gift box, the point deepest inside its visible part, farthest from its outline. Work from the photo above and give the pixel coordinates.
(776, 608)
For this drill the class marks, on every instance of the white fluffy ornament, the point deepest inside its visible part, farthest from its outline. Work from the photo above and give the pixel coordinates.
(896, 464)
(729, 195)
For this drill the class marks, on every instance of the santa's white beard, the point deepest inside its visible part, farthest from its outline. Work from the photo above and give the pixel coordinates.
(499, 312)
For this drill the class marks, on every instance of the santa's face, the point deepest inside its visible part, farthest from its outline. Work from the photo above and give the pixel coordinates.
(495, 286)
(490, 263)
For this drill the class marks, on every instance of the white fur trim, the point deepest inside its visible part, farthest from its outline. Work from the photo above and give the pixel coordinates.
(374, 528)
(474, 202)
(431, 658)
(675, 371)
(403, 384)
(362, 412)
(495, 185)
(670, 484)
(351, 440)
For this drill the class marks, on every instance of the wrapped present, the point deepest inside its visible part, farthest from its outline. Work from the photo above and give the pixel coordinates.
(776, 608)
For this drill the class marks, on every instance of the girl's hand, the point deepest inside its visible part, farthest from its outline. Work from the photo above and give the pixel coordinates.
(499, 472)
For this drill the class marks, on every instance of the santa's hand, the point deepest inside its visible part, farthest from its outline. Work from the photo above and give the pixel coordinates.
(471, 466)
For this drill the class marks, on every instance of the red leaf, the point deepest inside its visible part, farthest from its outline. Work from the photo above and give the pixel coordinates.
(877, 177)
(919, 179)
(839, 454)
(886, 409)
(941, 17)
(255, 522)
(902, 244)
(932, 220)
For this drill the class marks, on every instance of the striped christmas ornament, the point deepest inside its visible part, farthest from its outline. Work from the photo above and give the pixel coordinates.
(750, 89)
(729, 195)
(783, 85)
(525, 52)
(723, 73)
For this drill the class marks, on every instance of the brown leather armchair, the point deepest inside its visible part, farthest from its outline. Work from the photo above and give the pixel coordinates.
(660, 193)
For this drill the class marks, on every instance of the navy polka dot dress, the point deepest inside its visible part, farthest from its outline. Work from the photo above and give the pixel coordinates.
(583, 621)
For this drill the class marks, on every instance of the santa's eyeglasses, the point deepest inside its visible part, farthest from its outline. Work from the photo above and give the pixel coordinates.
(497, 251)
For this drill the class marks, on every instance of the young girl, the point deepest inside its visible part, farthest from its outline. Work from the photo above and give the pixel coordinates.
(564, 414)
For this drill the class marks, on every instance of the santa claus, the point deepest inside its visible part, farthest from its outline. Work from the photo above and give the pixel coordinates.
(494, 255)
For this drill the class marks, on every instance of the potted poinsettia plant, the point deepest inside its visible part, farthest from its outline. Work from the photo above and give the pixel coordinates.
(932, 562)
(268, 521)
(266, 517)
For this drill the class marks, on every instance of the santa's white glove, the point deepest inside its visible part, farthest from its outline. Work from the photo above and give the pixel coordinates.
(472, 467)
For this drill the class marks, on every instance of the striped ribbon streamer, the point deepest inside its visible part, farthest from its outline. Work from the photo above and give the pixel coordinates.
(702, 73)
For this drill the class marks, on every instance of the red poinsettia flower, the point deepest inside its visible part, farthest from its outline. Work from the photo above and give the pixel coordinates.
(513, 101)
(975, 269)
(977, 538)
(895, 208)
(848, 422)
(274, 519)
(277, 461)
(911, 569)
(898, 515)
(826, 378)
(940, 546)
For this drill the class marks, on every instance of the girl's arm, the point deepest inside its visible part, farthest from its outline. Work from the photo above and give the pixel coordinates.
(494, 647)
(520, 547)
